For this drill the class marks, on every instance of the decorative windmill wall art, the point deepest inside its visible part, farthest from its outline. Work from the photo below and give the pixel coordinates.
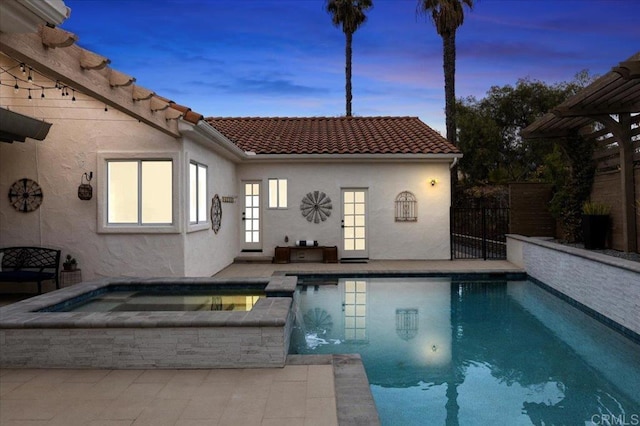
(316, 206)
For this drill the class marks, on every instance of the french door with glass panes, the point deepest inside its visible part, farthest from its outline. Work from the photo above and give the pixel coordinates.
(251, 227)
(354, 223)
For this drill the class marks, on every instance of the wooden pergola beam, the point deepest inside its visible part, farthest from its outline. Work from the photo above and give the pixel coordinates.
(565, 112)
(621, 130)
(63, 64)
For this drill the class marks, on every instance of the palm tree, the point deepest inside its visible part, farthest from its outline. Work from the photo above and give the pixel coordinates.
(350, 14)
(447, 16)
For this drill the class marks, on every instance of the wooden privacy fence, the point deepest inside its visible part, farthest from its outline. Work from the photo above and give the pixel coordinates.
(529, 204)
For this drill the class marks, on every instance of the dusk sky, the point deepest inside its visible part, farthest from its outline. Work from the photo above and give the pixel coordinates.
(285, 58)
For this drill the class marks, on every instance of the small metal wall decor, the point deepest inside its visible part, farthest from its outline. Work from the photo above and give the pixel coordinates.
(406, 207)
(316, 206)
(85, 191)
(228, 199)
(25, 195)
(216, 213)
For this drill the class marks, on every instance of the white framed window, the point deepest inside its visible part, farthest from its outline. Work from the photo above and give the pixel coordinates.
(277, 193)
(138, 193)
(197, 193)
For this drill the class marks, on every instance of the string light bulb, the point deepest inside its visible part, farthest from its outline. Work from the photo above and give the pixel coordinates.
(34, 83)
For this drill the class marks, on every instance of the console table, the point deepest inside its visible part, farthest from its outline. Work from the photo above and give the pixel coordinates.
(283, 254)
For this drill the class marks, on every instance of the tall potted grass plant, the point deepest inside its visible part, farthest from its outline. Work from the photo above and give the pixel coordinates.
(595, 225)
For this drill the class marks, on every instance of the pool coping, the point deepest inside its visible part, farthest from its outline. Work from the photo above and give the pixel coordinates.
(354, 402)
(271, 311)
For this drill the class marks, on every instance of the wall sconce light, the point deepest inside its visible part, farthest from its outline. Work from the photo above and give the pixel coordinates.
(85, 191)
(433, 182)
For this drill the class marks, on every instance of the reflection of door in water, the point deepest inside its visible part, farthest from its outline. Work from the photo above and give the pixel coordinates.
(354, 220)
(251, 217)
(355, 311)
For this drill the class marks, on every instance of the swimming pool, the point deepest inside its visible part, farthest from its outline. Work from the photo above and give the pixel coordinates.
(443, 351)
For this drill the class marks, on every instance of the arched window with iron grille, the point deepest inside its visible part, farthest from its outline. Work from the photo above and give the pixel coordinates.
(406, 207)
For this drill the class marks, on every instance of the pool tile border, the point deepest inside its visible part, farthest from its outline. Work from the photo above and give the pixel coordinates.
(271, 311)
(626, 332)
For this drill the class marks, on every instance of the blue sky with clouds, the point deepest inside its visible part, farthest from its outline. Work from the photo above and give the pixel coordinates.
(285, 58)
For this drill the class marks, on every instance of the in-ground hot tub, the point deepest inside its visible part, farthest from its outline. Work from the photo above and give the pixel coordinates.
(259, 337)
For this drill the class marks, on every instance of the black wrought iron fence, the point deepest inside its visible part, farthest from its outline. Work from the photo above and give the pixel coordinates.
(479, 233)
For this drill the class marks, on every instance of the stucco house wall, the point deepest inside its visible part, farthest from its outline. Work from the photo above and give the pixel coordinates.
(206, 252)
(80, 130)
(428, 238)
(83, 133)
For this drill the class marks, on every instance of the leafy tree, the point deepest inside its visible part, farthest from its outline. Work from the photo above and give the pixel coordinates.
(572, 167)
(495, 153)
(489, 130)
(447, 16)
(350, 14)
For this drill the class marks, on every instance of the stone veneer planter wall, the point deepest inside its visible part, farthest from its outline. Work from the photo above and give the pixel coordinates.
(607, 285)
(221, 339)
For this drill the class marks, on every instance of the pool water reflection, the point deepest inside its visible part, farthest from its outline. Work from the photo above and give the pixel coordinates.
(438, 351)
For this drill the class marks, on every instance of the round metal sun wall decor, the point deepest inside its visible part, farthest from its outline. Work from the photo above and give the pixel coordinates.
(316, 206)
(25, 195)
(216, 213)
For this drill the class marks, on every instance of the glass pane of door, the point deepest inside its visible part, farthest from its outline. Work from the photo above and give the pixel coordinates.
(251, 216)
(354, 221)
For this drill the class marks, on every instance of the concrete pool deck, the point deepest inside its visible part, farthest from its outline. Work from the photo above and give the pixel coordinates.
(309, 390)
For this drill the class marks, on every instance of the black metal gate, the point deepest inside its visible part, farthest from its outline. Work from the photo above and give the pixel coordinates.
(479, 233)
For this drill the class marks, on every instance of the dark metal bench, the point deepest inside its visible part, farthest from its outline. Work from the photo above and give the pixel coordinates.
(30, 264)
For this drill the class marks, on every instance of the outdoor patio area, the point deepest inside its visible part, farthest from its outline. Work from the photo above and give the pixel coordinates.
(293, 395)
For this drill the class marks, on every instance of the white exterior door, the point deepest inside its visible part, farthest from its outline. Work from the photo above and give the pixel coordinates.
(354, 223)
(252, 229)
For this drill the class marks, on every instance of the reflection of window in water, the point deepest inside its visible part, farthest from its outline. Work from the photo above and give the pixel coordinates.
(355, 310)
(407, 323)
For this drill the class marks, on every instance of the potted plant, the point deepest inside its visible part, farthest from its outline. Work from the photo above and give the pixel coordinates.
(70, 263)
(595, 224)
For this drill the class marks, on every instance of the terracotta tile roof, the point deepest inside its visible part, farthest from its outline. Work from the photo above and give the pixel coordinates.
(333, 135)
